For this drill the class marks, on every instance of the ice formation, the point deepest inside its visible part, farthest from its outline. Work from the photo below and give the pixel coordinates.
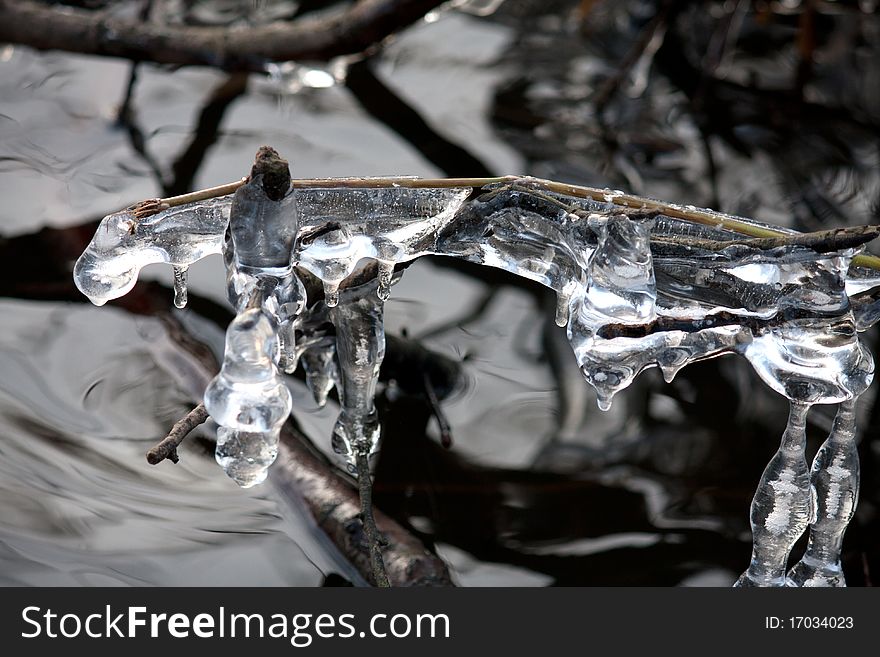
(309, 268)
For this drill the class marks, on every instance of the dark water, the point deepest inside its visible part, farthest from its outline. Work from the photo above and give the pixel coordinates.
(540, 487)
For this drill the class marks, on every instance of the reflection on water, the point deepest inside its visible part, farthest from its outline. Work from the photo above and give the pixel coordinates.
(540, 487)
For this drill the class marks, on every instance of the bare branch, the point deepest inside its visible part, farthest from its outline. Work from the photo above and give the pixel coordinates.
(167, 449)
(245, 48)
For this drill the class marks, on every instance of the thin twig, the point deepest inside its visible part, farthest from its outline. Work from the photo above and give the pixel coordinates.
(365, 489)
(442, 422)
(167, 449)
(821, 241)
(613, 197)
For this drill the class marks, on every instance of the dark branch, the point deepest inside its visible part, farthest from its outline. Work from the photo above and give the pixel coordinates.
(374, 538)
(346, 32)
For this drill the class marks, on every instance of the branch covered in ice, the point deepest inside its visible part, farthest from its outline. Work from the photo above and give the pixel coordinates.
(639, 283)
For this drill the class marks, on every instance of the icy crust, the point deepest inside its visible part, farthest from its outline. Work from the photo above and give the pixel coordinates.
(635, 291)
(123, 245)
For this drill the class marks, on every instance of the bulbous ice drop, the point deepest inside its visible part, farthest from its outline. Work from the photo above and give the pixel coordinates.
(360, 348)
(835, 479)
(180, 286)
(246, 456)
(783, 506)
(124, 244)
(249, 394)
(817, 359)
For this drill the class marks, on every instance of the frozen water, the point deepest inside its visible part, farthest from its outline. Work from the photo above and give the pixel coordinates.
(246, 456)
(308, 276)
(782, 507)
(360, 348)
(124, 244)
(180, 286)
(249, 394)
(835, 479)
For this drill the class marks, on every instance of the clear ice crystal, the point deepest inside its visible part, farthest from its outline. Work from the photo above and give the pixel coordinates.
(124, 244)
(782, 507)
(262, 230)
(633, 292)
(835, 480)
(360, 348)
(249, 393)
(322, 376)
(180, 286)
(246, 455)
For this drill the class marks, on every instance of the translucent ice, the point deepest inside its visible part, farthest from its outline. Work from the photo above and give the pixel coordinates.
(782, 507)
(180, 286)
(246, 456)
(124, 244)
(249, 394)
(392, 225)
(319, 363)
(835, 479)
(634, 288)
(360, 348)
(262, 229)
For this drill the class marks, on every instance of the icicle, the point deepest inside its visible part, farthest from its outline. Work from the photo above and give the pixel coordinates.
(360, 348)
(835, 479)
(563, 301)
(180, 286)
(321, 375)
(386, 272)
(331, 294)
(782, 507)
(248, 399)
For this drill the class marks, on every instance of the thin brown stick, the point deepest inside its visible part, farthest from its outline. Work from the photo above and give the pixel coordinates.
(349, 31)
(374, 538)
(167, 449)
(686, 212)
(821, 241)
